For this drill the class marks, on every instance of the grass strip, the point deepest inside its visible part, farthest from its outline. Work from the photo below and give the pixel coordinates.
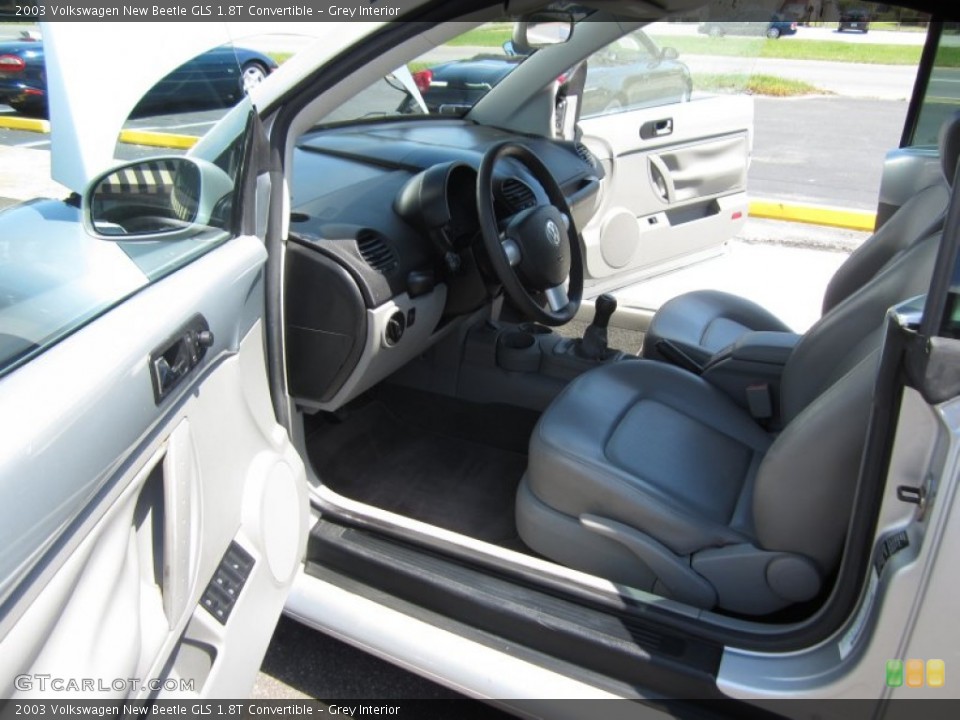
(793, 49)
(788, 48)
(487, 36)
(768, 85)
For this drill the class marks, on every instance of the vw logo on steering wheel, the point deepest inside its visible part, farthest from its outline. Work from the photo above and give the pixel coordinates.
(553, 233)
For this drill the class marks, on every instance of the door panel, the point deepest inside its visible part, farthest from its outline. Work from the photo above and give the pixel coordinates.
(140, 501)
(675, 185)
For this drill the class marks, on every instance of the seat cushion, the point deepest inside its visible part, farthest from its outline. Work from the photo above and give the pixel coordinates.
(703, 322)
(651, 446)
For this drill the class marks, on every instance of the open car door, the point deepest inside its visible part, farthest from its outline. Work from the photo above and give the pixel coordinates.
(675, 163)
(153, 512)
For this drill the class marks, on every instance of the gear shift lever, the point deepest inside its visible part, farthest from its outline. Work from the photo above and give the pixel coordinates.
(593, 346)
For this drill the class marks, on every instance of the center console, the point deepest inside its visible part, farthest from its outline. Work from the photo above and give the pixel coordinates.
(529, 364)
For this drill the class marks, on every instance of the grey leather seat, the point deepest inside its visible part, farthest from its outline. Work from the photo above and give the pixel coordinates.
(703, 322)
(645, 474)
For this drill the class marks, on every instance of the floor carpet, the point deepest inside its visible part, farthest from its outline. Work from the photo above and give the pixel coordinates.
(444, 461)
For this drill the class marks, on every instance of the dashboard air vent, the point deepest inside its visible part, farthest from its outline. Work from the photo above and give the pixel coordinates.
(374, 249)
(584, 152)
(517, 194)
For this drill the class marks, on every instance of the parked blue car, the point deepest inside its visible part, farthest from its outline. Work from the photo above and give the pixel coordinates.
(218, 78)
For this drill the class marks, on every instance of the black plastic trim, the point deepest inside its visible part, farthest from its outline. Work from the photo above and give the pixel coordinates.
(621, 646)
(924, 71)
(323, 348)
(177, 356)
(468, 632)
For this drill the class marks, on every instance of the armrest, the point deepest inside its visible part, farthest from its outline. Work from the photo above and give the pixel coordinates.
(765, 347)
(749, 372)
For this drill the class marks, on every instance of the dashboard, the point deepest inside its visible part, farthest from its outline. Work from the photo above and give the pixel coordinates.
(384, 253)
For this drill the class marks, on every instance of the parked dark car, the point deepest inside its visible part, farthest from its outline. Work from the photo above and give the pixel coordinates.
(456, 86)
(633, 73)
(218, 78)
(854, 20)
(774, 28)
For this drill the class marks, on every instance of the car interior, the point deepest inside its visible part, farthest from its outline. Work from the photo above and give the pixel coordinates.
(429, 267)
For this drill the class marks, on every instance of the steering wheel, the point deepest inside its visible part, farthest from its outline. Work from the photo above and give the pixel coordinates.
(538, 253)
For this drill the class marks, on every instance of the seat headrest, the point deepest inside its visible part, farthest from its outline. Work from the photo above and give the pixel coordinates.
(950, 146)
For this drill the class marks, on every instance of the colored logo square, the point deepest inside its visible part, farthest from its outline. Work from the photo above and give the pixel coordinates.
(936, 673)
(894, 673)
(914, 673)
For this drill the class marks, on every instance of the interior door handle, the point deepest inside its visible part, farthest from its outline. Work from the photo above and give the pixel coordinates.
(661, 179)
(656, 128)
(175, 358)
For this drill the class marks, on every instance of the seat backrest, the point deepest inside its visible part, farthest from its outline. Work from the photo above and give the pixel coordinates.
(803, 491)
(917, 218)
(804, 488)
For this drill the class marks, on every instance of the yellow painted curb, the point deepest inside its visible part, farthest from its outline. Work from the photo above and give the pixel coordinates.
(158, 139)
(814, 215)
(22, 123)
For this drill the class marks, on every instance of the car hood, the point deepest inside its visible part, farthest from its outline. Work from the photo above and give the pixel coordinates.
(478, 68)
(88, 109)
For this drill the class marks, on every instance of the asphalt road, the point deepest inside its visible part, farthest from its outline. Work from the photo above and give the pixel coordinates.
(828, 32)
(302, 663)
(823, 150)
(887, 82)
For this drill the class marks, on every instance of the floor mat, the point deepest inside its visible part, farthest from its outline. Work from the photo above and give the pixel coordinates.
(443, 461)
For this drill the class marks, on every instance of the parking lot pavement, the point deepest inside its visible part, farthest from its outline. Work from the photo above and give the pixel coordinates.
(823, 150)
(303, 663)
(25, 174)
(785, 267)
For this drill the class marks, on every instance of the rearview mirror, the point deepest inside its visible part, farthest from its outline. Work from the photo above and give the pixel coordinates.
(541, 29)
(157, 197)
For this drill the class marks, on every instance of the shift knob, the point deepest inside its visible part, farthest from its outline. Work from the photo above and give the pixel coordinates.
(593, 346)
(605, 306)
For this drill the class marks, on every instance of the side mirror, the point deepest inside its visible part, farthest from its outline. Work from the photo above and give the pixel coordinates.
(541, 29)
(151, 199)
(669, 53)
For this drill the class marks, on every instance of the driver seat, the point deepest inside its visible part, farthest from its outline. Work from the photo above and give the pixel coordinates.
(647, 475)
(701, 323)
